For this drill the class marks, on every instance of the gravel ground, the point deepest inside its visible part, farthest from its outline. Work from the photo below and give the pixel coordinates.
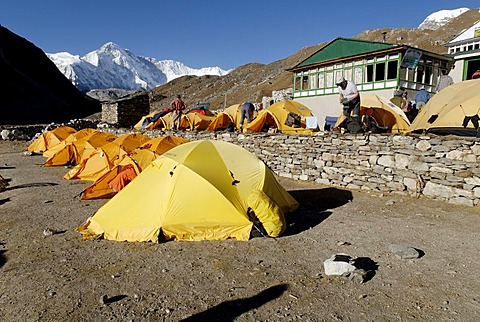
(60, 277)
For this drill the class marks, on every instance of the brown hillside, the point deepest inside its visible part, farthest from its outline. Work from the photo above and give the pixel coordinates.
(253, 81)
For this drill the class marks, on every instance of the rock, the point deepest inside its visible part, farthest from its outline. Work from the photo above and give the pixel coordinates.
(390, 202)
(6, 135)
(47, 232)
(339, 265)
(404, 252)
(103, 299)
(423, 145)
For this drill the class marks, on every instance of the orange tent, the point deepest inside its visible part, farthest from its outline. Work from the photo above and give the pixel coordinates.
(69, 139)
(137, 160)
(105, 157)
(49, 139)
(229, 115)
(76, 151)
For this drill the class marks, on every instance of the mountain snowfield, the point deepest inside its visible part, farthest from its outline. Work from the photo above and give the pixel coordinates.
(440, 18)
(114, 67)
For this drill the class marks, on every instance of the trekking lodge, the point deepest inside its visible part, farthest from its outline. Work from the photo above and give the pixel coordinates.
(375, 67)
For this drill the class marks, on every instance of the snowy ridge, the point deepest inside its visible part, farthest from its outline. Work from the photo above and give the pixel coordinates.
(174, 69)
(440, 18)
(114, 67)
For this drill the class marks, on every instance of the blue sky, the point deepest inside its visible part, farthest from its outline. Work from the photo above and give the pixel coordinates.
(206, 33)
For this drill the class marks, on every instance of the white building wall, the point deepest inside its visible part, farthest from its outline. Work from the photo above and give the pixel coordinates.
(457, 72)
(329, 105)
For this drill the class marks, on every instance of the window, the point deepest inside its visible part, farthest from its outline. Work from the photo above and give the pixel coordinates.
(314, 81)
(392, 69)
(321, 80)
(358, 79)
(379, 72)
(304, 83)
(369, 73)
(297, 84)
(419, 75)
(428, 75)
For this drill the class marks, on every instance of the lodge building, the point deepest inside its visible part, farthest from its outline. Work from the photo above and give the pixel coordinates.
(375, 67)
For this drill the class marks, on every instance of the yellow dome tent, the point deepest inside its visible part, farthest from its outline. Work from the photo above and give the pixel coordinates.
(137, 159)
(78, 150)
(201, 190)
(385, 113)
(276, 116)
(195, 121)
(454, 110)
(105, 157)
(230, 115)
(49, 139)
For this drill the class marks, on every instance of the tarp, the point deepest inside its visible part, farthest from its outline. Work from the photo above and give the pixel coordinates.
(137, 159)
(78, 150)
(454, 110)
(278, 116)
(229, 115)
(385, 113)
(196, 191)
(153, 120)
(105, 157)
(49, 139)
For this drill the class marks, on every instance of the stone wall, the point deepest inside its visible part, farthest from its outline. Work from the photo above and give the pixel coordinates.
(440, 168)
(126, 112)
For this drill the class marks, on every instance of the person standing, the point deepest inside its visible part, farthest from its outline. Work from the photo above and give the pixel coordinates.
(177, 106)
(397, 98)
(443, 81)
(349, 97)
(421, 98)
(246, 112)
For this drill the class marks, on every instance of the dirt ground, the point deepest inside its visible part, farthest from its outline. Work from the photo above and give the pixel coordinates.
(63, 278)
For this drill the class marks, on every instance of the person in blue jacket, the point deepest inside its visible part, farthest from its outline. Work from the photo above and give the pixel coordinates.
(421, 98)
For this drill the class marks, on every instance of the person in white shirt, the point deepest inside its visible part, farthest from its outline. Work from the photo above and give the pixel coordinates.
(443, 81)
(349, 97)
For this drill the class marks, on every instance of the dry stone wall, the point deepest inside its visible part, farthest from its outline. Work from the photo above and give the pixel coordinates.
(443, 168)
(435, 167)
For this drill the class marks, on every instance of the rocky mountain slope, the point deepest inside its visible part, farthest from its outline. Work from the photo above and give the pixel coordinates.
(253, 81)
(33, 90)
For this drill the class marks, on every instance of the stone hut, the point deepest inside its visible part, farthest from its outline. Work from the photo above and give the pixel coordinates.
(126, 112)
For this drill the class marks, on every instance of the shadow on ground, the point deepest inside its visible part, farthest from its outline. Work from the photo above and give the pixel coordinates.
(3, 258)
(3, 201)
(313, 207)
(29, 185)
(368, 265)
(230, 310)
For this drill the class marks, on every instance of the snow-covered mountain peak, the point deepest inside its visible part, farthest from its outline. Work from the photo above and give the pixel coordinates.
(440, 18)
(112, 66)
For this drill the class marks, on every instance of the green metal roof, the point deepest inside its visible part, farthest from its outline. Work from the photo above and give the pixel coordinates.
(342, 48)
